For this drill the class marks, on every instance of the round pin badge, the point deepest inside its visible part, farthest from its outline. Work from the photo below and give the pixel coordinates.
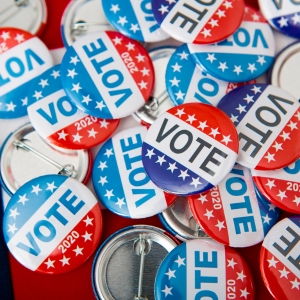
(27, 15)
(281, 187)
(159, 101)
(25, 155)
(279, 259)
(23, 57)
(52, 224)
(59, 121)
(82, 17)
(116, 73)
(203, 269)
(199, 22)
(140, 250)
(233, 213)
(245, 55)
(190, 148)
(266, 118)
(187, 82)
(284, 16)
(134, 19)
(120, 180)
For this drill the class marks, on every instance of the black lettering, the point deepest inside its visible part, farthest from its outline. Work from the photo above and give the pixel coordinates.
(275, 100)
(295, 262)
(271, 110)
(250, 142)
(186, 20)
(290, 244)
(211, 2)
(210, 158)
(264, 136)
(200, 147)
(161, 136)
(278, 3)
(201, 14)
(186, 146)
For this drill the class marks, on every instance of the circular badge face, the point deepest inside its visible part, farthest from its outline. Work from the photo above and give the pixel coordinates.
(233, 213)
(120, 180)
(245, 55)
(115, 72)
(199, 22)
(52, 224)
(23, 57)
(281, 187)
(203, 268)
(59, 121)
(284, 16)
(26, 15)
(190, 148)
(135, 19)
(267, 121)
(279, 259)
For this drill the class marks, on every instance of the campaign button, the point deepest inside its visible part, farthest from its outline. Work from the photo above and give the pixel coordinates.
(284, 16)
(279, 259)
(190, 148)
(233, 213)
(245, 55)
(267, 121)
(281, 187)
(187, 82)
(112, 70)
(59, 121)
(23, 57)
(199, 22)
(120, 180)
(52, 224)
(135, 19)
(203, 269)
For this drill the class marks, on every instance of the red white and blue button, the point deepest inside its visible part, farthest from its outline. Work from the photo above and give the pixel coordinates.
(267, 120)
(233, 213)
(203, 269)
(52, 224)
(245, 55)
(281, 187)
(279, 259)
(199, 22)
(23, 57)
(59, 121)
(113, 71)
(190, 148)
(284, 16)
(135, 19)
(120, 180)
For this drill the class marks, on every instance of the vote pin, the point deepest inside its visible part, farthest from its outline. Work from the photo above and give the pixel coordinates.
(23, 57)
(190, 148)
(203, 268)
(52, 224)
(267, 121)
(279, 259)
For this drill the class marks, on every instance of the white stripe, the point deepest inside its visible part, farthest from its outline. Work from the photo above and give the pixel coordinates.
(221, 171)
(270, 10)
(32, 262)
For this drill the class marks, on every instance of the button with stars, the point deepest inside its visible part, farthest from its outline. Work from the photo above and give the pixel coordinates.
(23, 57)
(279, 259)
(134, 19)
(283, 16)
(267, 121)
(120, 180)
(233, 213)
(199, 22)
(244, 56)
(202, 269)
(59, 121)
(281, 187)
(187, 82)
(190, 148)
(52, 224)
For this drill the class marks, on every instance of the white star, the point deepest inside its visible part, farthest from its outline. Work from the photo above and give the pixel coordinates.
(184, 174)
(10, 106)
(78, 250)
(179, 95)
(49, 263)
(241, 108)
(251, 68)
(103, 123)
(222, 66)
(296, 19)
(255, 17)
(87, 236)
(23, 199)
(160, 160)
(272, 262)
(134, 27)
(261, 60)
(180, 112)
(244, 293)
(209, 214)
(270, 183)
(175, 81)
(120, 202)
(150, 153)
(176, 67)
(191, 119)
(171, 1)
(55, 74)
(281, 195)
(267, 219)
(283, 22)
(277, 146)
(248, 99)
(214, 132)
(24, 101)
(292, 125)
(76, 87)
(202, 198)
(202, 125)
(117, 40)
(76, 137)
(237, 70)
(108, 152)
(37, 95)
(285, 135)
(172, 167)
(51, 187)
(227, 4)
(109, 194)
(114, 8)
(74, 60)
(163, 9)
(211, 57)
(213, 23)
(145, 72)
(14, 213)
(295, 284)
(234, 118)
(102, 165)
(297, 200)
(36, 189)
(65, 261)
(143, 85)
(122, 21)
(62, 135)
(220, 225)
(86, 99)
(183, 55)
(241, 276)
(43, 82)
(88, 221)
(226, 139)
(100, 105)
(130, 46)
(231, 263)
(195, 182)
(92, 133)
(270, 157)
(171, 273)
(103, 180)
(167, 291)
(272, 207)
(5, 35)
(284, 273)
(72, 73)
(12, 228)
(206, 32)
(220, 13)
(180, 261)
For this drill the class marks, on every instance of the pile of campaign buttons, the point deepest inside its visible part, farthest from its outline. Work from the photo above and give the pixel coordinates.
(215, 151)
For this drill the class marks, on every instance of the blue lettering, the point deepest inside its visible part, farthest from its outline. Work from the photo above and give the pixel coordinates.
(3, 81)
(130, 160)
(258, 34)
(149, 193)
(52, 118)
(130, 144)
(246, 204)
(126, 93)
(147, 9)
(138, 180)
(243, 32)
(205, 263)
(211, 294)
(69, 203)
(93, 50)
(203, 279)
(54, 212)
(244, 221)
(293, 170)
(40, 235)
(98, 65)
(236, 192)
(19, 68)
(35, 250)
(225, 43)
(116, 76)
(30, 54)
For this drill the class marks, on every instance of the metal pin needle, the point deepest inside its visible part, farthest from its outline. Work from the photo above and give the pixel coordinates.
(83, 26)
